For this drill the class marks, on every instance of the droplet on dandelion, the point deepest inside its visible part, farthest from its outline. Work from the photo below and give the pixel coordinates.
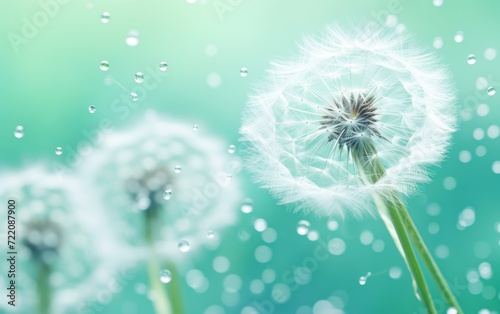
(491, 91)
(104, 66)
(105, 16)
(165, 276)
(363, 279)
(243, 72)
(139, 77)
(231, 149)
(59, 151)
(167, 195)
(459, 37)
(177, 169)
(19, 131)
(471, 59)
(183, 246)
(134, 96)
(195, 127)
(210, 235)
(303, 227)
(163, 66)
(92, 108)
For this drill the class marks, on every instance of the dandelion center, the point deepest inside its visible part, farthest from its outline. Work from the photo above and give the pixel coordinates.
(43, 240)
(350, 121)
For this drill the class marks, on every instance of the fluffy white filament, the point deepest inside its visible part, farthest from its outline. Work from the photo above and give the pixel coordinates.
(292, 156)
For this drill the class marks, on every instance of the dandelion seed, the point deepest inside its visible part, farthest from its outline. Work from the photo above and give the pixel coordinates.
(354, 122)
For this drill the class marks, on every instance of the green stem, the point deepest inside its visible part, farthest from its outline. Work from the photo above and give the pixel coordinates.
(371, 169)
(174, 290)
(43, 288)
(428, 260)
(161, 301)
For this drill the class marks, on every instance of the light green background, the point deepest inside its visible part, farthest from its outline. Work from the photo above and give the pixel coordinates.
(48, 84)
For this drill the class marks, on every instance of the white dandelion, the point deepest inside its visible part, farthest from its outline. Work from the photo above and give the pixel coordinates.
(165, 186)
(65, 255)
(352, 122)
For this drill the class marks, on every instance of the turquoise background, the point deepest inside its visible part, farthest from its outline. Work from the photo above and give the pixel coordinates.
(49, 80)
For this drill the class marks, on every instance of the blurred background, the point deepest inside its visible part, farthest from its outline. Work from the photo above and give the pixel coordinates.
(51, 52)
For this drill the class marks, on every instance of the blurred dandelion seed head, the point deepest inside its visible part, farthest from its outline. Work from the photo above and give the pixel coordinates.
(56, 223)
(139, 169)
(347, 87)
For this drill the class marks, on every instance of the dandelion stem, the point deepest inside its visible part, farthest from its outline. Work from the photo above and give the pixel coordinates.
(428, 260)
(372, 170)
(43, 288)
(161, 301)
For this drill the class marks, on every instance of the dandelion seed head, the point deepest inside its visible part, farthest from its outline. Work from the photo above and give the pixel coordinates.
(346, 88)
(136, 168)
(56, 227)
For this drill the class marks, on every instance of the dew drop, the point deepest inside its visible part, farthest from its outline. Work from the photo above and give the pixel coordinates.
(19, 131)
(165, 276)
(134, 96)
(471, 59)
(210, 234)
(163, 66)
(59, 151)
(92, 109)
(459, 37)
(231, 149)
(303, 227)
(243, 72)
(105, 17)
(247, 206)
(132, 38)
(195, 127)
(363, 279)
(183, 246)
(104, 65)
(491, 91)
(167, 194)
(177, 169)
(139, 77)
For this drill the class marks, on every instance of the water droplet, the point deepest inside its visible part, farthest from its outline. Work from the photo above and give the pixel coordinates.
(210, 234)
(134, 96)
(491, 91)
(104, 65)
(438, 43)
(183, 246)
(163, 66)
(243, 72)
(471, 59)
(165, 276)
(247, 206)
(92, 109)
(195, 127)
(139, 77)
(132, 38)
(231, 149)
(19, 131)
(177, 169)
(363, 279)
(167, 194)
(459, 37)
(303, 227)
(105, 17)
(59, 150)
